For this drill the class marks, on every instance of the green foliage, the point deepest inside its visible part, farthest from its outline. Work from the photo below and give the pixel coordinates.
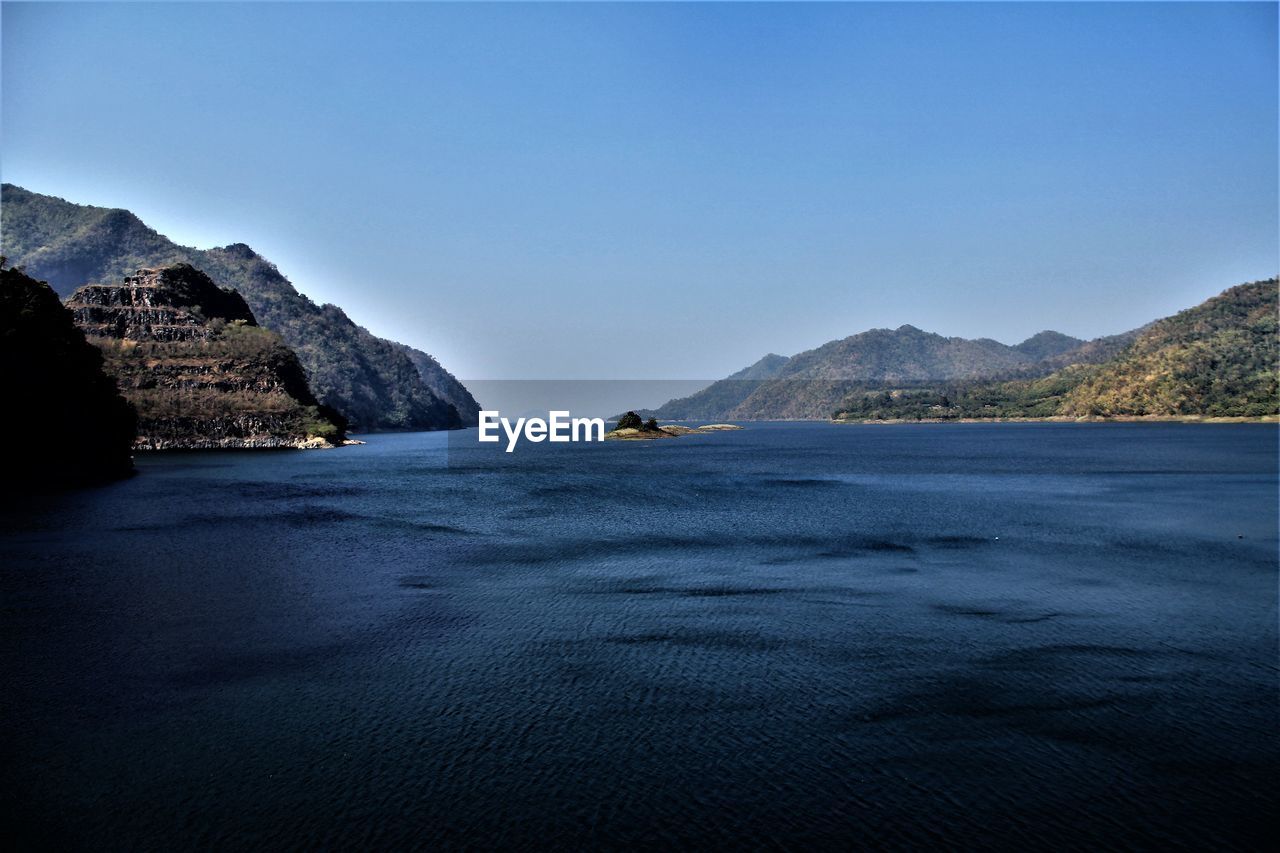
(316, 424)
(812, 384)
(650, 425)
(1219, 359)
(630, 421)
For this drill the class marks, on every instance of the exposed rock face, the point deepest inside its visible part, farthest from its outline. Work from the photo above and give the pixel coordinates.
(375, 383)
(67, 424)
(199, 370)
(171, 304)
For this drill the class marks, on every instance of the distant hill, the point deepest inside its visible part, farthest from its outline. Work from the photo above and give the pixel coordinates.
(444, 385)
(377, 384)
(811, 385)
(1047, 344)
(65, 423)
(1218, 359)
(196, 366)
(723, 396)
(766, 368)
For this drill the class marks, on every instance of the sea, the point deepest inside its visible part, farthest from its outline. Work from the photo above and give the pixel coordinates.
(792, 636)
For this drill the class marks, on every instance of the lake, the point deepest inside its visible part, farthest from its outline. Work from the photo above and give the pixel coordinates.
(788, 636)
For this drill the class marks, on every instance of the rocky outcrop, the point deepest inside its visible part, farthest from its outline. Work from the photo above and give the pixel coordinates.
(647, 432)
(66, 422)
(177, 303)
(375, 383)
(200, 372)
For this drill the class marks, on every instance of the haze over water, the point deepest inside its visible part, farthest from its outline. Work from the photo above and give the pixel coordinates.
(796, 633)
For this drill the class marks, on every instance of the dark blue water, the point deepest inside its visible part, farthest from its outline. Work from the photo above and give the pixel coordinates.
(793, 635)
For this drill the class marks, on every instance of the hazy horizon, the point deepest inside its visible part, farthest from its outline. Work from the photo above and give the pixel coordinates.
(584, 191)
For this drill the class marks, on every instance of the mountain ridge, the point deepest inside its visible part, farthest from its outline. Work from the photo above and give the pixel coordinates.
(376, 383)
(850, 376)
(809, 384)
(1218, 359)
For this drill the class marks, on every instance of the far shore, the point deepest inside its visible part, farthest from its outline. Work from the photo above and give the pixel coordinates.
(1062, 419)
(1055, 419)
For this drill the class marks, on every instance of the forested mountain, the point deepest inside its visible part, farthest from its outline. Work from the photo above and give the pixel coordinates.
(65, 422)
(812, 383)
(1218, 359)
(444, 384)
(375, 383)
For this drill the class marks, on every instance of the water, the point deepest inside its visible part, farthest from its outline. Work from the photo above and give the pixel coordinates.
(797, 634)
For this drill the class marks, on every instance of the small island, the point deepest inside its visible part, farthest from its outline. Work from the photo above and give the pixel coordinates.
(631, 427)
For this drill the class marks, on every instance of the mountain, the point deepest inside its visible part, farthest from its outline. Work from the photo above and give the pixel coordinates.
(1095, 351)
(766, 368)
(811, 385)
(723, 396)
(1218, 359)
(1047, 344)
(196, 366)
(377, 384)
(66, 422)
(444, 385)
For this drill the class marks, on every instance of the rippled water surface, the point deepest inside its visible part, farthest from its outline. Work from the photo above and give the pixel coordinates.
(791, 635)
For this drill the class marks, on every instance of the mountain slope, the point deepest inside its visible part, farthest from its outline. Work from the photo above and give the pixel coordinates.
(812, 383)
(196, 366)
(444, 385)
(66, 423)
(1218, 359)
(722, 396)
(372, 381)
(1047, 344)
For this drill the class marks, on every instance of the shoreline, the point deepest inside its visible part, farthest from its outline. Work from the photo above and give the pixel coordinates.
(1087, 419)
(1057, 419)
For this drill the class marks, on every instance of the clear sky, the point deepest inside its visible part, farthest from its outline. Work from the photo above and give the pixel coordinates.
(671, 191)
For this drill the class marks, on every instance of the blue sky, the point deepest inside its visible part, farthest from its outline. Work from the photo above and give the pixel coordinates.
(538, 191)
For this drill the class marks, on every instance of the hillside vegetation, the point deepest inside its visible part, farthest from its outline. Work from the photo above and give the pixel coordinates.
(812, 384)
(375, 383)
(197, 368)
(1218, 359)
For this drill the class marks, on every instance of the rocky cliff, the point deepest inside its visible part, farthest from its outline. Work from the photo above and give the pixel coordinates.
(66, 424)
(375, 383)
(193, 361)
